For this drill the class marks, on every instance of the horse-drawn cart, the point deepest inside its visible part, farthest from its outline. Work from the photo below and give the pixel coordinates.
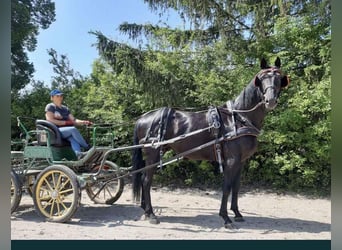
(48, 170)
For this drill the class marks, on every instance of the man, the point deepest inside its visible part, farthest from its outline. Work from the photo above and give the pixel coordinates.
(60, 115)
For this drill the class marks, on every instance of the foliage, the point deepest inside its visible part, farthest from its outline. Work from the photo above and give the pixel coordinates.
(27, 16)
(66, 78)
(30, 106)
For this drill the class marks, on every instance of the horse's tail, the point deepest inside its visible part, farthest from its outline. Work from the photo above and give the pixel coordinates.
(138, 163)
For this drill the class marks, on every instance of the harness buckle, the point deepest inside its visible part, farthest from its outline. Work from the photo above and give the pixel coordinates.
(214, 119)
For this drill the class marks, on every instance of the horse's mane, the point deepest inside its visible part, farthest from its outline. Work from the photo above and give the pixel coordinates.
(250, 95)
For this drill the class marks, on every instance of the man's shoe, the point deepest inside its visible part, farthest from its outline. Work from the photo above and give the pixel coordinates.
(80, 155)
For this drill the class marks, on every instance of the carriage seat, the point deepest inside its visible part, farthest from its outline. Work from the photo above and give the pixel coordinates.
(54, 133)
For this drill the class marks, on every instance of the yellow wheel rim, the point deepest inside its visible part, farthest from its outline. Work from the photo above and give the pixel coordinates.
(55, 194)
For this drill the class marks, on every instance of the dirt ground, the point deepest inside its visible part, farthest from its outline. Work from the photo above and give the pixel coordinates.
(184, 214)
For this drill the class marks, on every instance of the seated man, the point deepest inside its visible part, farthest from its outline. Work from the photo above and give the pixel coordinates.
(60, 115)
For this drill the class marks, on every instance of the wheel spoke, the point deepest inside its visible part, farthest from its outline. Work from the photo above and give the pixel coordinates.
(59, 182)
(48, 203)
(108, 191)
(53, 179)
(64, 184)
(63, 205)
(45, 198)
(59, 212)
(66, 191)
(51, 208)
(42, 189)
(48, 184)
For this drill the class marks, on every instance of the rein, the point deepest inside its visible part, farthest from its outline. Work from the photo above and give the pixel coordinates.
(232, 111)
(245, 110)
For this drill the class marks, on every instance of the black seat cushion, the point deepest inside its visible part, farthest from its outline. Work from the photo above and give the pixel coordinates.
(54, 133)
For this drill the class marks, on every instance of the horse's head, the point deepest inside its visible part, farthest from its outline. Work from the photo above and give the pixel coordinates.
(270, 81)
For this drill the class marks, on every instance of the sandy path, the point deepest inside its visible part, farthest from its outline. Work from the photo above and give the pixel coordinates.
(184, 214)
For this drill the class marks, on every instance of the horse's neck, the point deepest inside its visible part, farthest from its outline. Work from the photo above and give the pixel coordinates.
(248, 99)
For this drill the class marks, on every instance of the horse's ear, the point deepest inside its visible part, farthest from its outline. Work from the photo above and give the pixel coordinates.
(263, 64)
(257, 82)
(277, 62)
(285, 81)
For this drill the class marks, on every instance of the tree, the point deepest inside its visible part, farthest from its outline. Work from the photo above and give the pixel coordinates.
(30, 105)
(27, 17)
(66, 77)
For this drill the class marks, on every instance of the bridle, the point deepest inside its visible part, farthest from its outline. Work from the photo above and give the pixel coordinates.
(266, 73)
(261, 75)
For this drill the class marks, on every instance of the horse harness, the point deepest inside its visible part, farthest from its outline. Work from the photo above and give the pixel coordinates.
(227, 132)
(230, 131)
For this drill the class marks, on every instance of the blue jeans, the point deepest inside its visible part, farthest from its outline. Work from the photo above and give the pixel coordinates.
(74, 137)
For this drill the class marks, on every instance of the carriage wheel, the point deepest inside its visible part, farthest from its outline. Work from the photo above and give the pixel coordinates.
(16, 191)
(112, 190)
(56, 193)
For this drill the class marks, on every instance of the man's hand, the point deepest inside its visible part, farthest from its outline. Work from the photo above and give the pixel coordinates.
(87, 123)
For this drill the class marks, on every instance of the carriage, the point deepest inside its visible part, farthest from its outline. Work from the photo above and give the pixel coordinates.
(225, 134)
(48, 170)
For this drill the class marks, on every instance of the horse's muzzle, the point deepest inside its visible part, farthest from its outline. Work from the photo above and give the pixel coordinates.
(271, 104)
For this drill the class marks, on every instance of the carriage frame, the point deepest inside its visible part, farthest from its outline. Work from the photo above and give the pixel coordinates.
(53, 176)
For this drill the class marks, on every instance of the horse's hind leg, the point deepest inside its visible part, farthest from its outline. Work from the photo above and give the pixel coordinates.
(143, 206)
(235, 193)
(146, 187)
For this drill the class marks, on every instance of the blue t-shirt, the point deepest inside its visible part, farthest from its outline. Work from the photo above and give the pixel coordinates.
(60, 113)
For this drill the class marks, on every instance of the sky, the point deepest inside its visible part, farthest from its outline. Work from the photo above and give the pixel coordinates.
(69, 36)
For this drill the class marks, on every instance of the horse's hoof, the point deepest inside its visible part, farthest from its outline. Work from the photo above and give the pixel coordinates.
(230, 226)
(154, 221)
(239, 219)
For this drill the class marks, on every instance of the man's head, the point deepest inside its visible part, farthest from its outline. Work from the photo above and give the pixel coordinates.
(56, 92)
(56, 96)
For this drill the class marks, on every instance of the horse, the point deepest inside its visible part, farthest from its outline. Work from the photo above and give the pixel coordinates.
(229, 130)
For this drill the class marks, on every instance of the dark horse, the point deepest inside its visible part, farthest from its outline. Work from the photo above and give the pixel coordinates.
(233, 127)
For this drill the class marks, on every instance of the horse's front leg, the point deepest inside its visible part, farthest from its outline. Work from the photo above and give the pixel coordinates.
(227, 185)
(232, 166)
(224, 201)
(235, 193)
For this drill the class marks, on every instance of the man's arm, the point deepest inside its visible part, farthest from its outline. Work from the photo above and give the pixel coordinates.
(78, 121)
(51, 118)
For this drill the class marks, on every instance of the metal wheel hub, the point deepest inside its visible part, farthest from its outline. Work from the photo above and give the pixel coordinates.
(54, 194)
